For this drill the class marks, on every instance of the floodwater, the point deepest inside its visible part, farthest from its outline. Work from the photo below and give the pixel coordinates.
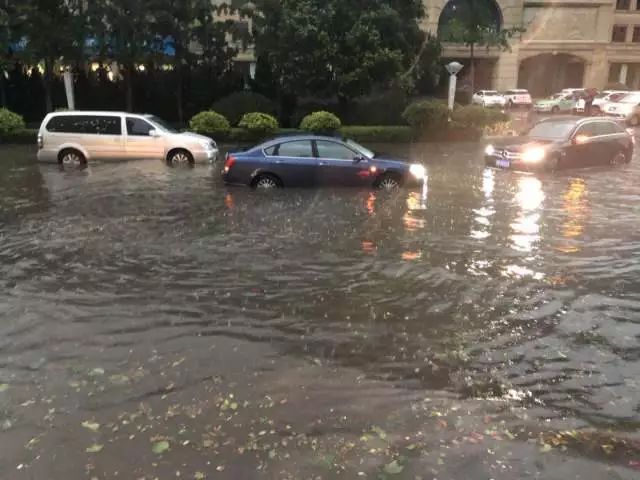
(157, 324)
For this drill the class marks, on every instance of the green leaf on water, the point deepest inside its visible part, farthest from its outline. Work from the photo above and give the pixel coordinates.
(234, 406)
(199, 476)
(93, 426)
(546, 448)
(381, 433)
(4, 387)
(96, 372)
(393, 468)
(160, 447)
(95, 448)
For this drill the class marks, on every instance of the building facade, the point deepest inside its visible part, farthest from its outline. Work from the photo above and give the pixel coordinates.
(567, 43)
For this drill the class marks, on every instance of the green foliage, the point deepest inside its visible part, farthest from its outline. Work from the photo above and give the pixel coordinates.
(10, 122)
(475, 116)
(210, 122)
(427, 114)
(259, 123)
(337, 47)
(320, 122)
(378, 133)
(234, 106)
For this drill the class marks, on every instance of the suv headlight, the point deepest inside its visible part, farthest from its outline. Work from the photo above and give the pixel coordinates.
(490, 150)
(533, 155)
(418, 170)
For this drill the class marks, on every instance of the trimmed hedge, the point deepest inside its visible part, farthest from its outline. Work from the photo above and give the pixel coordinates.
(427, 115)
(476, 116)
(259, 123)
(10, 122)
(320, 122)
(381, 133)
(210, 122)
(20, 137)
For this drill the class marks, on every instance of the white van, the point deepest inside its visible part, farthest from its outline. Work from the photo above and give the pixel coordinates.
(79, 137)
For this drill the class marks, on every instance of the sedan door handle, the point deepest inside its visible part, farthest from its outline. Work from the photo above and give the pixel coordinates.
(322, 163)
(278, 161)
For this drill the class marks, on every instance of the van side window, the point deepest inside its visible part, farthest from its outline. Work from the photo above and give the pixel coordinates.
(85, 124)
(138, 127)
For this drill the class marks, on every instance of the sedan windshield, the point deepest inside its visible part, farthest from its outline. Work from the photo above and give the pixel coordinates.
(162, 124)
(552, 130)
(360, 149)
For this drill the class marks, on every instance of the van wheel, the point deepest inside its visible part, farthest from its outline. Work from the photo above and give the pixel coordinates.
(71, 158)
(179, 157)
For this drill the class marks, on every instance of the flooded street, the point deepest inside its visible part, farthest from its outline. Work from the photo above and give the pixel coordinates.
(157, 324)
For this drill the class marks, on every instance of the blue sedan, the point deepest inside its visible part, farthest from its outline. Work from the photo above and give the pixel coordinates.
(312, 160)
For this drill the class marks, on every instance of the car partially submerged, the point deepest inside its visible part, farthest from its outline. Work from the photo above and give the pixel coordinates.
(564, 142)
(314, 160)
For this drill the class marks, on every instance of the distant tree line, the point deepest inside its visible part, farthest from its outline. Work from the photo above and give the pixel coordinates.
(175, 57)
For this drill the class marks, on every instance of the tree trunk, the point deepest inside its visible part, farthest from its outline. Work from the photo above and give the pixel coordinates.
(128, 85)
(473, 69)
(47, 81)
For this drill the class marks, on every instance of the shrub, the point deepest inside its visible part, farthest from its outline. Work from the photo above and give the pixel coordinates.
(426, 114)
(10, 122)
(237, 104)
(320, 122)
(210, 123)
(378, 133)
(380, 109)
(475, 116)
(259, 123)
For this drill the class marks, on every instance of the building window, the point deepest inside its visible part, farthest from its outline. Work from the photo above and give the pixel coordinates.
(623, 4)
(638, 5)
(619, 33)
(636, 35)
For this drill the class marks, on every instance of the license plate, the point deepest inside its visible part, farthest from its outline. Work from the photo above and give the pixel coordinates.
(503, 163)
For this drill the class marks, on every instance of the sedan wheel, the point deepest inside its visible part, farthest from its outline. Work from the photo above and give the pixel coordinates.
(180, 157)
(388, 184)
(266, 182)
(619, 159)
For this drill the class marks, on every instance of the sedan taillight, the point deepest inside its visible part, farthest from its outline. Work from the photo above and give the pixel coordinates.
(229, 163)
(40, 141)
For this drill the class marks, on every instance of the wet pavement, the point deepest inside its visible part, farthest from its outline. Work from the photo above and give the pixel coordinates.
(157, 324)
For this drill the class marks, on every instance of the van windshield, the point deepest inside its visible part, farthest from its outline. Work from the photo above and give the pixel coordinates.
(162, 124)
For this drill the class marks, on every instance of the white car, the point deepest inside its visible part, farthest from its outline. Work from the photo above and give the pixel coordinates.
(517, 98)
(76, 137)
(607, 96)
(488, 98)
(627, 109)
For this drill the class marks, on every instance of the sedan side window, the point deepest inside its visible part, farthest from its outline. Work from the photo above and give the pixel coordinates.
(298, 148)
(334, 150)
(138, 127)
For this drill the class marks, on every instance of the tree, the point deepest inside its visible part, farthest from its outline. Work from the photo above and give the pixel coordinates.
(337, 47)
(122, 33)
(53, 31)
(475, 23)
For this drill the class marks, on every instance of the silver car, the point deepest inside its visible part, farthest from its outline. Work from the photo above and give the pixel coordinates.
(78, 137)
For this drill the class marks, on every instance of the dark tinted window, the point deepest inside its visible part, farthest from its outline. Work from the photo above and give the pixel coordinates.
(138, 127)
(299, 148)
(619, 33)
(607, 128)
(334, 150)
(87, 124)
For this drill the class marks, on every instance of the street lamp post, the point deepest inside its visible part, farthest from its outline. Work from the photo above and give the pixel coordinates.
(453, 68)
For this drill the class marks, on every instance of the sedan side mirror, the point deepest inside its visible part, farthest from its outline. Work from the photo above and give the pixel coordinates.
(154, 133)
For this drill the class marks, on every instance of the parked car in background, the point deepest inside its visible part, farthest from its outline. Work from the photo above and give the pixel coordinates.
(488, 98)
(560, 102)
(605, 97)
(77, 137)
(517, 98)
(564, 142)
(312, 160)
(626, 108)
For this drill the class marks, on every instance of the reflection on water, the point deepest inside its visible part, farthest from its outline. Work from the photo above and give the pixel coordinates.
(126, 286)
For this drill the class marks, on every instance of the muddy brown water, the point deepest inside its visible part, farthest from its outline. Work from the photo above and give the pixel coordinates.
(157, 324)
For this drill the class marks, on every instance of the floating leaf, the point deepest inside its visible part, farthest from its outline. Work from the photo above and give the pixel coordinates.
(381, 433)
(546, 448)
(234, 406)
(96, 372)
(608, 449)
(95, 448)
(93, 426)
(272, 454)
(160, 447)
(119, 379)
(4, 387)
(199, 476)
(393, 468)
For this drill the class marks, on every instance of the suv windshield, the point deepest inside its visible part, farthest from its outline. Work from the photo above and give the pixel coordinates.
(162, 124)
(552, 130)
